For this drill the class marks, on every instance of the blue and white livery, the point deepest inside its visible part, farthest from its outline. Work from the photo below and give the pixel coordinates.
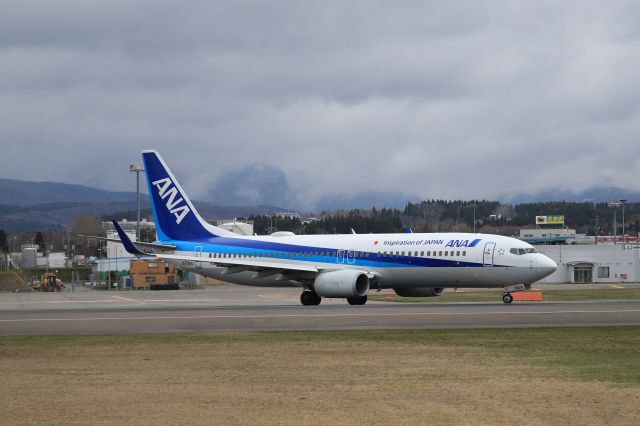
(337, 266)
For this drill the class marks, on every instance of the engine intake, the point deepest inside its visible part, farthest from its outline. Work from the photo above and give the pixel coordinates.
(343, 283)
(419, 291)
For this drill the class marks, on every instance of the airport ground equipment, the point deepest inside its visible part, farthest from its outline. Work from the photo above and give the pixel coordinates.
(49, 282)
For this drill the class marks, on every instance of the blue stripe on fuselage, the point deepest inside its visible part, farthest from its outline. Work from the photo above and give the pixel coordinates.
(474, 243)
(260, 249)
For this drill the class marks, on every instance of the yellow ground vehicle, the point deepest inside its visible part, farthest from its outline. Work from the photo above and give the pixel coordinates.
(50, 282)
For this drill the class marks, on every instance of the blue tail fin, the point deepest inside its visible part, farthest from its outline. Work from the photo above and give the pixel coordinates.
(175, 216)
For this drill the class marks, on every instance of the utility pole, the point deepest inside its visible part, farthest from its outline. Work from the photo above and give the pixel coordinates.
(137, 170)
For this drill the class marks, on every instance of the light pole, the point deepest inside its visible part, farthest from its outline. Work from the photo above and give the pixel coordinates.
(137, 170)
(615, 206)
(623, 234)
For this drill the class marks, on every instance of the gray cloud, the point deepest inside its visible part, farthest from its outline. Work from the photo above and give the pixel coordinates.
(438, 99)
(253, 185)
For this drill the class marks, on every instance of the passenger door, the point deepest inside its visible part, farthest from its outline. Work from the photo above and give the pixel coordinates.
(487, 257)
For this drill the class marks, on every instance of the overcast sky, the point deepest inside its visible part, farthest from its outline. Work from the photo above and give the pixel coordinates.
(438, 99)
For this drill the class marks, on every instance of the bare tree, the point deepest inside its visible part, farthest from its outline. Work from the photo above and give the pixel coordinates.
(85, 224)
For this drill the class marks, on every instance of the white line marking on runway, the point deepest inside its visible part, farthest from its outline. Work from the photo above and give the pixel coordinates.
(182, 300)
(141, 301)
(59, 301)
(275, 297)
(318, 315)
(129, 300)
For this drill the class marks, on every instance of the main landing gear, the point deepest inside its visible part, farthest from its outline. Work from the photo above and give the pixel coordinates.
(310, 298)
(357, 300)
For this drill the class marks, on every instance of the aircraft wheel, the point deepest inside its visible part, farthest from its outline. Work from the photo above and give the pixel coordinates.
(315, 299)
(357, 300)
(507, 298)
(310, 298)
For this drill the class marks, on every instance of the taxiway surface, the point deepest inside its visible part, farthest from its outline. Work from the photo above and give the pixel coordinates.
(236, 308)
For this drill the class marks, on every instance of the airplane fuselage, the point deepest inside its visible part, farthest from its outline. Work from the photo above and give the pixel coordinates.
(396, 260)
(343, 266)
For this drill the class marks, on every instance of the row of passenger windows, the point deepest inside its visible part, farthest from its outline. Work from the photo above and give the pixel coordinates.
(357, 254)
(422, 253)
(284, 254)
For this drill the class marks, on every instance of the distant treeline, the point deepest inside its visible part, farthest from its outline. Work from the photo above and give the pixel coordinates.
(363, 222)
(449, 216)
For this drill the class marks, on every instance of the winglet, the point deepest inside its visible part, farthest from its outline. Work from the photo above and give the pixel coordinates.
(126, 241)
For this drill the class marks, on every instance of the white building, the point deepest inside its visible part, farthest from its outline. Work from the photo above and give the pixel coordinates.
(56, 260)
(598, 263)
(548, 235)
(117, 250)
(112, 264)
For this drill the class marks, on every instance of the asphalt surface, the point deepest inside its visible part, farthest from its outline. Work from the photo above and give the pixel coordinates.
(244, 309)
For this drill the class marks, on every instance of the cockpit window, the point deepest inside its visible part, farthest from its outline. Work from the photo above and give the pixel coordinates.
(521, 251)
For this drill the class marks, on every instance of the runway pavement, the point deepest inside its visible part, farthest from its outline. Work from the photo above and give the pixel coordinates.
(236, 308)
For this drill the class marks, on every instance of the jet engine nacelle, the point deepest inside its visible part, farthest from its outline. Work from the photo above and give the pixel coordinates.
(419, 291)
(344, 283)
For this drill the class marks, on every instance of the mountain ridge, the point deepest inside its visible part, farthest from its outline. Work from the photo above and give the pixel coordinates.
(14, 192)
(29, 206)
(598, 195)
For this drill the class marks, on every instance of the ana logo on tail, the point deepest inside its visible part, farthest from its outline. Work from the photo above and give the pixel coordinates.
(167, 190)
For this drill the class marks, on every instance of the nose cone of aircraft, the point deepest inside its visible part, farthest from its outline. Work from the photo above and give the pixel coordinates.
(546, 266)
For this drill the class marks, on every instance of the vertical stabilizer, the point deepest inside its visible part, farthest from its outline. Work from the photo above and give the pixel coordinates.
(175, 216)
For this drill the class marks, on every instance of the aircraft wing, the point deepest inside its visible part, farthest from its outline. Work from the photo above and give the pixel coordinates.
(233, 265)
(247, 263)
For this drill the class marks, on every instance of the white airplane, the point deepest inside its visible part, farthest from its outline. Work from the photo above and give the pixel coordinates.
(337, 266)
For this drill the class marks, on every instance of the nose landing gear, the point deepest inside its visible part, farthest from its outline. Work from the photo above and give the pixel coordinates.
(507, 297)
